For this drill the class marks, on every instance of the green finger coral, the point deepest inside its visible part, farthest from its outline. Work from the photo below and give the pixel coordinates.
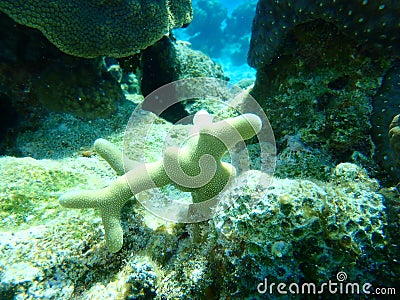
(92, 28)
(195, 167)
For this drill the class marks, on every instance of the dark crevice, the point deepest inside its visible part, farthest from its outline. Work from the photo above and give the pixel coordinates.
(8, 118)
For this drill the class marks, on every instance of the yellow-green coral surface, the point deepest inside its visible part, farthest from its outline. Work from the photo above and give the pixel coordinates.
(92, 28)
(196, 168)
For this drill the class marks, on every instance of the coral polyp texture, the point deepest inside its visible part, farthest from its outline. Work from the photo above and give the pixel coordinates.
(374, 22)
(115, 28)
(394, 135)
(300, 231)
(196, 167)
(386, 105)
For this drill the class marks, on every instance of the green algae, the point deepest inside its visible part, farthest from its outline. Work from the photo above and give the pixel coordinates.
(30, 190)
(321, 88)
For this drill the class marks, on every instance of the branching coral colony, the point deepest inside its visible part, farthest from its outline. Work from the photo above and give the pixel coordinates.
(195, 168)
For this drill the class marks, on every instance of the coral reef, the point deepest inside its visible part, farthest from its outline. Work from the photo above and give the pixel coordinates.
(296, 160)
(21, 205)
(327, 89)
(329, 97)
(36, 77)
(394, 135)
(372, 22)
(301, 231)
(392, 203)
(292, 231)
(386, 106)
(321, 82)
(95, 28)
(34, 260)
(347, 54)
(192, 63)
(60, 135)
(168, 60)
(83, 88)
(195, 168)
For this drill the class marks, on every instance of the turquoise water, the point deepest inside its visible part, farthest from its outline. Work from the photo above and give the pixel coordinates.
(221, 30)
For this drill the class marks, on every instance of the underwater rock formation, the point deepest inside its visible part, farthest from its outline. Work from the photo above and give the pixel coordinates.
(37, 78)
(8, 117)
(95, 28)
(23, 54)
(372, 22)
(78, 86)
(292, 231)
(289, 231)
(394, 135)
(321, 64)
(320, 92)
(169, 60)
(298, 231)
(24, 203)
(386, 105)
(392, 202)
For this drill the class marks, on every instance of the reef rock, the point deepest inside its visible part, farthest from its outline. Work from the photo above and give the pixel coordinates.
(95, 28)
(372, 22)
(300, 231)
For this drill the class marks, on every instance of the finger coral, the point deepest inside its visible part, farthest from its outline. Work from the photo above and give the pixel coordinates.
(93, 28)
(196, 167)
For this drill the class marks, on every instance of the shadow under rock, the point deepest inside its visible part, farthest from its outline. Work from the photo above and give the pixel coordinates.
(60, 135)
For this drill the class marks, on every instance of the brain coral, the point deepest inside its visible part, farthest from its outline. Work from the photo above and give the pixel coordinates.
(93, 28)
(375, 22)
